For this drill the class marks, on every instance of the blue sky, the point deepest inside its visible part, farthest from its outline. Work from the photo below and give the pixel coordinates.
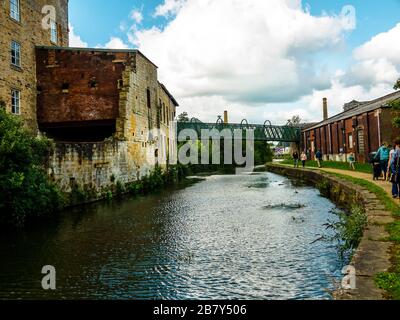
(305, 52)
(98, 20)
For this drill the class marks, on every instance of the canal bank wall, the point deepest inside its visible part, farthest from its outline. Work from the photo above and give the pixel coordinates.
(373, 253)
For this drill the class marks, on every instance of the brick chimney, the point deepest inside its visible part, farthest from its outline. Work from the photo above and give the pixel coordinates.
(226, 117)
(325, 106)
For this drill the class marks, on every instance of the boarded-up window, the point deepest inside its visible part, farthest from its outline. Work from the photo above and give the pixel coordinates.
(361, 144)
(350, 139)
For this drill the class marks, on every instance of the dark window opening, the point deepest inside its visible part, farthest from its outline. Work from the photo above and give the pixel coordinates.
(39, 89)
(148, 99)
(120, 83)
(65, 87)
(96, 131)
(93, 83)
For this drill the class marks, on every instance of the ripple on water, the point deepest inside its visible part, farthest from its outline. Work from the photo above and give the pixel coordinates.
(228, 237)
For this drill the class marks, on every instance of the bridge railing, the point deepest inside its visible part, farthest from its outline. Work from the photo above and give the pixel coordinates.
(262, 132)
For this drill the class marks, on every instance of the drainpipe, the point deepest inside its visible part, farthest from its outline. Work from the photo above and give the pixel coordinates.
(379, 126)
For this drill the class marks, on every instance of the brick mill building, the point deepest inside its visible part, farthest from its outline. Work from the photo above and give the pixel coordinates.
(360, 129)
(105, 109)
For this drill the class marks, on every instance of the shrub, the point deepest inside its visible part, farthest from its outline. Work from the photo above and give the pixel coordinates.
(349, 230)
(25, 191)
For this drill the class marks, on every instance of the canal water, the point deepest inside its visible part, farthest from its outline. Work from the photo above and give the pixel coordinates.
(227, 237)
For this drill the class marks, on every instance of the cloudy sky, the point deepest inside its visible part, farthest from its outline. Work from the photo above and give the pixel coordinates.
(258, 59)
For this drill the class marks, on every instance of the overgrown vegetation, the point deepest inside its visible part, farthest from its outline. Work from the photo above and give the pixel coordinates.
(361, 167)
(396, 107)
(349, 230)
(25, 191)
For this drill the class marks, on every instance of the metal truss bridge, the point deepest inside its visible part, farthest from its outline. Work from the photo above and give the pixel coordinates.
(262, 132)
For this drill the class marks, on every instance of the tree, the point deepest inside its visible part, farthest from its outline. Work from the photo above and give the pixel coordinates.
(396, 107)
(25, 191)
(296, 120)
(183, 117)
(397, 85)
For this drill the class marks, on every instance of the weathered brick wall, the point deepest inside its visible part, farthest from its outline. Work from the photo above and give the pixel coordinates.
(78, 85)
(28, 32)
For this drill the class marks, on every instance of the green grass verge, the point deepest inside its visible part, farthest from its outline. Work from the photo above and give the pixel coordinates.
(389, 281)
(381, 194)
(360, 167)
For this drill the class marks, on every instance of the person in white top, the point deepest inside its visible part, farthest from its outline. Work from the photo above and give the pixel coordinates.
(391, 154)
(303, 159)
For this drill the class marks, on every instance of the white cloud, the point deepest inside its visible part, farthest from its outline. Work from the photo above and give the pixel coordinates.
(382, 45)
(377, 61)
(169, 8)
(115, 43)
(245, 54)
(136, 16)
(75, 40)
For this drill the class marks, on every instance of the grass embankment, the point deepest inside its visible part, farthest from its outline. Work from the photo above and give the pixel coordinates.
(389, 281)
(360, 167)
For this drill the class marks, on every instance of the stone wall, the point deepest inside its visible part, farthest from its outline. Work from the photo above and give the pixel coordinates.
(92, 167)
(28, 32)
(127, 92)
(373, 254)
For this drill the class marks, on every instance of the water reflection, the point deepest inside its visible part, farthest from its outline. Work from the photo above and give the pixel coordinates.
(228, 237)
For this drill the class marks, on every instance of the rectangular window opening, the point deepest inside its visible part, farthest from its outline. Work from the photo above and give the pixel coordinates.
(53, 32)
(15, 54)
(15, 10)
(16, 102)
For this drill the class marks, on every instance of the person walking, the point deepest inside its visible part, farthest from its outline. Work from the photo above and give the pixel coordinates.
(391, 154)
(352, 161)
(296, 159)
(395, 169)
(318, 156)
(382, 156)
(303, 158)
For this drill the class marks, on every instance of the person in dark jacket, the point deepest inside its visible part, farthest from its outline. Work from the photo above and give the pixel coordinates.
(296, 159)
(318, 156)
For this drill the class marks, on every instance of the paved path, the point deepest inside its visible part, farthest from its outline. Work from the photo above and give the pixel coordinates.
(385, 185)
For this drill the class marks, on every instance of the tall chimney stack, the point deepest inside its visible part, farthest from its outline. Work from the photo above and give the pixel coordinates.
(325, 104)
(226, 117)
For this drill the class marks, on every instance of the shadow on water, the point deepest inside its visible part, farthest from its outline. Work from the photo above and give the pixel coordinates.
(217, 237)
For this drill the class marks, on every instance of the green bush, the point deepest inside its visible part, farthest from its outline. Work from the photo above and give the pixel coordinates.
(349, 229)
(25, 191)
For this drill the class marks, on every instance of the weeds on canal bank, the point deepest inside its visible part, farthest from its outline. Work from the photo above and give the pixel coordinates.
(349, 230)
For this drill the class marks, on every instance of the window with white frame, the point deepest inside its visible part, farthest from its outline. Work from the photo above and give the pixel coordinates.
(53, 32)
(15, 101)
(14, 9)
(15, 54)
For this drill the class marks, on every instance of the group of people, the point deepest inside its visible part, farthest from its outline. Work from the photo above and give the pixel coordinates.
(386, 162)
(303, 158)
